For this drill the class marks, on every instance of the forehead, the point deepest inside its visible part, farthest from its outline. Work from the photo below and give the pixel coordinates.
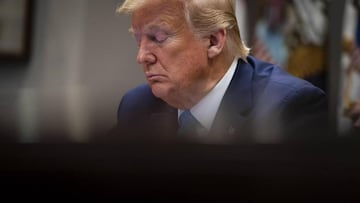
(159, 13)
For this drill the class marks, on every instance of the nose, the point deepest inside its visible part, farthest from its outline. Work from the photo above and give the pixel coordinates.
(145, 55)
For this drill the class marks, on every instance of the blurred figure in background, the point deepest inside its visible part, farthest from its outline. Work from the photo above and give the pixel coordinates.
(292, 34)
(355, 115)
(350, 75)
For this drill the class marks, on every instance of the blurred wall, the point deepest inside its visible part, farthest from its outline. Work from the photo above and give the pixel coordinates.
(82, 62)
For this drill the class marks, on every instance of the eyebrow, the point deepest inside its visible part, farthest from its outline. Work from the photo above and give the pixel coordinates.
(157, 25)
(151, 28)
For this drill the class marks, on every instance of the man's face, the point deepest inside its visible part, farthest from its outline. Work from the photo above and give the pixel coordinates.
(175, 62)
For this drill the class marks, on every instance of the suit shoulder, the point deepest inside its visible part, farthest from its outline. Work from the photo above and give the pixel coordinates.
(136, 101)
(273, 85)
(295, 85)
(269, 75)
(141, 91)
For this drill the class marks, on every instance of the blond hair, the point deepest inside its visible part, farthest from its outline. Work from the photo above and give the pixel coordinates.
(205, 17)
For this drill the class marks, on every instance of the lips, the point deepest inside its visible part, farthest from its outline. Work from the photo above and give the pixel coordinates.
(154, 77)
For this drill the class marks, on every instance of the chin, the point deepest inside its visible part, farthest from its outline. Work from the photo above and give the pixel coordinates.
(165, 94)
(159, 91)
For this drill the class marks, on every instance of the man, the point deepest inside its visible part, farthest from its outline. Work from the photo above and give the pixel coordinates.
(195, 62)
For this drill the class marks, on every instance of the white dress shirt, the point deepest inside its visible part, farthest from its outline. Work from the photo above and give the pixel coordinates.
(205, 110)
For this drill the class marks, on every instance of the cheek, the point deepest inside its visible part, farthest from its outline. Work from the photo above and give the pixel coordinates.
(184, 63)
(187, 73)
(194, 63)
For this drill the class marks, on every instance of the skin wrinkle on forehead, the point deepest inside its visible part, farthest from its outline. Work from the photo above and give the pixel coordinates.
(156, 28)
(170, 22)
(168, 14)
(163, 22)
(157, 25)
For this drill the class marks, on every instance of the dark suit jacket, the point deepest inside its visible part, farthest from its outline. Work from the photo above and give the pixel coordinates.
(263, 104)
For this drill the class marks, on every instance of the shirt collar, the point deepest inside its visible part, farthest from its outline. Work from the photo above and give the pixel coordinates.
(205, 110)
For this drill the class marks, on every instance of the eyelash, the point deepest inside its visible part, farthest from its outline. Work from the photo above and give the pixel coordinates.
(154, 39)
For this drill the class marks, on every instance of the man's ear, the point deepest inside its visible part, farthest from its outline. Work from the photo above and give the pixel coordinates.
(217, 43)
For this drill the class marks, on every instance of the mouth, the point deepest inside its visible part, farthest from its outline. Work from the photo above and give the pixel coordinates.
(152, 77)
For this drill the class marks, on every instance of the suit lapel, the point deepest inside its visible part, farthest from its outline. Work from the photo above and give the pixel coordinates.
(234, 111)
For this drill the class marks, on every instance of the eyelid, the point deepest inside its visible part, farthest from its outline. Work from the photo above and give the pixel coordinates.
(159, 38)
(156, 35)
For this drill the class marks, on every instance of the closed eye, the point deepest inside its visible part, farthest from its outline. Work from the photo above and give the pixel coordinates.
(159, 37)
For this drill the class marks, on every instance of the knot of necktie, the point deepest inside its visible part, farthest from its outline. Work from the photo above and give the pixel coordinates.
(189, 125)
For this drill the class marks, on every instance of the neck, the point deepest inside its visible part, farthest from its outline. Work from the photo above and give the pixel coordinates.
(217, 68)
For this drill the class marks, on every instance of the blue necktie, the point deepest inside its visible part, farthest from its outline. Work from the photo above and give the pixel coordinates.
(188, 125)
